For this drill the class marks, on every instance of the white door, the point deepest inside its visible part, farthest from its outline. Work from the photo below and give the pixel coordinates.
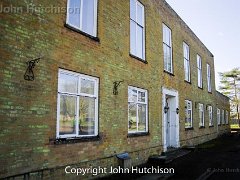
(168, 128)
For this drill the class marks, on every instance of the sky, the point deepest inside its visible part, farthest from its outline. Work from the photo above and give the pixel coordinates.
(217, 24)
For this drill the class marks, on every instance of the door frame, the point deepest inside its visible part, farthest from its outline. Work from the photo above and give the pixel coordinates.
(173, 93)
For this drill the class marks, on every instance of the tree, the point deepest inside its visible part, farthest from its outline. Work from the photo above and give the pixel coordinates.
(230, 86)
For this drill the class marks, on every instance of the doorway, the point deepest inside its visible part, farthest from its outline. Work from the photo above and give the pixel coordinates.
(170, 119)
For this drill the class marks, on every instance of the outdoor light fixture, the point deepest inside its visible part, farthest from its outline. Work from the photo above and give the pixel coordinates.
(196, 103)
(115, 87)
(166, 109)
(177, 110)
(207, 106)
(29, 75)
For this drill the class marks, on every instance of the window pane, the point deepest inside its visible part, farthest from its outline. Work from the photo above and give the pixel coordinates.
(68, 83)
(169, 60)
(67, 121)
(132, 95)
(187, 124)
(166, 35)
(223, 117)
(189, 118)
(88, 16)
(186, 69)
(199, 62)
(199, 78)
(133, 9)
(201, 114)
(140, 41)
(186, 51)
(133, 37)
(140, 14)
(165, 51)
(74, 13)
(210, 115)
(132, 117)
(142, 117)
(188, 114)
(87, 86)
(141, 96)
(87, 116)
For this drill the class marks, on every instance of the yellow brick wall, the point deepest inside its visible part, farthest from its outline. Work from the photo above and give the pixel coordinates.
(28, 109)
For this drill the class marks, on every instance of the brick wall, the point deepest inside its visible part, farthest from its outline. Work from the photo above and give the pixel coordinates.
(28, 109)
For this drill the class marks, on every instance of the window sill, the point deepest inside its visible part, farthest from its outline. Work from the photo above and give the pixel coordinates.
(138, 58)
(81, 32)
(202, 127)
(138, 134)
(189, 82)
(74, 140)
(170, 73)
(210, 92)
(189, 129)
(200, 88)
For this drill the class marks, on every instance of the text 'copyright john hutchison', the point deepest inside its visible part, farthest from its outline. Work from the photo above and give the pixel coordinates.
(115, 170)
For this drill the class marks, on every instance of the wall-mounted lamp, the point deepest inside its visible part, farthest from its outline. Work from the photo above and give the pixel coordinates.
(166, 109)
(196, 104)
(29, 75)
(207, 105)
(115, 87)
(177, 110)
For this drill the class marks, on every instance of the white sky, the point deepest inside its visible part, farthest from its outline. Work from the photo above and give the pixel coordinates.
(217, 24)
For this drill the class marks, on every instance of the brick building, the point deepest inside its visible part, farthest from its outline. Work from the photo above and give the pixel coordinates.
(114, 76)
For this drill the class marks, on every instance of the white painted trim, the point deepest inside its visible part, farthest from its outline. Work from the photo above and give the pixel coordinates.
(138, 25)
(199, 67)
(95, 17)
(201, 109)
(143, 103)
(190, 102)
(209, 78)
(218, 116)
(174, 93)
(166, 28)
(210, 115)
(78, 96)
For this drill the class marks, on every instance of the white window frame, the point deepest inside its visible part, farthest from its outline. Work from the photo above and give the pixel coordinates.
(188, 102)
(186, 57)
(199, 67)
(138, 102)
(81, 16)
(218, 116)
(77, 95)
(210, 115)
(209, 78)
(169, 46)
(227, 116)
(223, 117)
(137, 3)
(201, 110)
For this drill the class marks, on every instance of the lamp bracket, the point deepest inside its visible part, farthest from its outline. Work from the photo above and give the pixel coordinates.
(29, 75)
(116, 84)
